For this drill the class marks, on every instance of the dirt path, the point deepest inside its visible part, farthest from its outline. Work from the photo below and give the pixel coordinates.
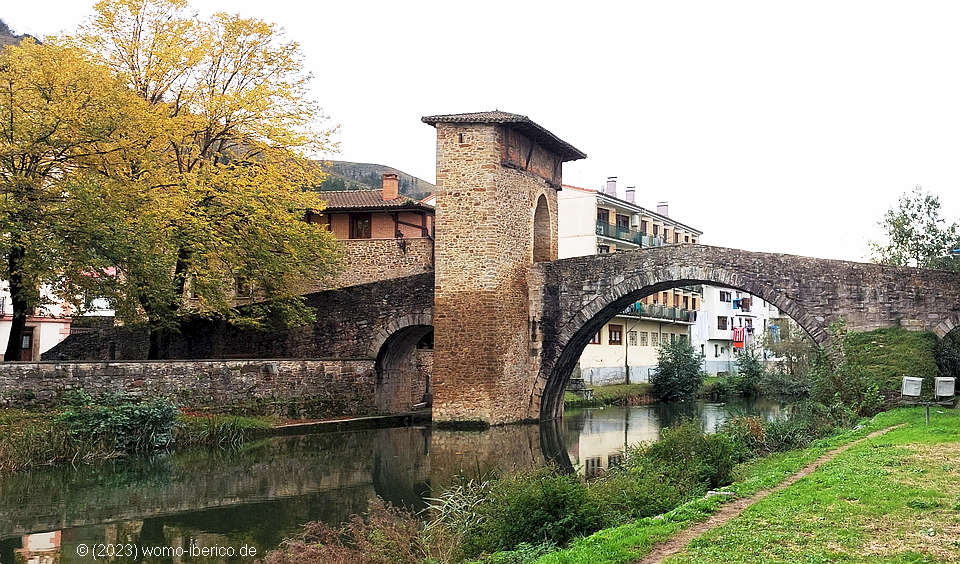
(730, 510)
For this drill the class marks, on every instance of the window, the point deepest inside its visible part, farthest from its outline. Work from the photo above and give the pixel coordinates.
(623, 222)
(592, 467)
(615, 335)
(694, 241)
(725, 296)
(716, 351)
(643, 226)
(643, 339)
(686, 238)
(656, 230)
(360, 225)
(665, 298)
(654, 339)
(748, 322)
(596, 339)
(676, 237)
(693, 302)
(632, 338)
(681, 337)
(603, 249)
(722, 323)
(702, 349)
(603, 216)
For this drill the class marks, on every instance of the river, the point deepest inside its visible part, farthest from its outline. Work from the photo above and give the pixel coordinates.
(263, 492)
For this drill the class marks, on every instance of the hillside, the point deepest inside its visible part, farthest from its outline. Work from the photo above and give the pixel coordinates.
(7, 37)
(346, 175)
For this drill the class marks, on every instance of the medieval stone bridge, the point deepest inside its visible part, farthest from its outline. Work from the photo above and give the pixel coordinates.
(509, 321)
(571, 299)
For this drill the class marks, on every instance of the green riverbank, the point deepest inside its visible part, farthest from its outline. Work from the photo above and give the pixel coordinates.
(892, 498)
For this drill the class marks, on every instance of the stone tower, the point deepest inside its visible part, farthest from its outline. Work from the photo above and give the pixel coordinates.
(496, 214)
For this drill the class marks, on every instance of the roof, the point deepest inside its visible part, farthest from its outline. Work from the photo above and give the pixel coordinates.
(521, 123)
(625, 203)
(344, 200)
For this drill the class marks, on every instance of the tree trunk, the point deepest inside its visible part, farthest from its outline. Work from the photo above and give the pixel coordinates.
(160, 331)
(19, 301)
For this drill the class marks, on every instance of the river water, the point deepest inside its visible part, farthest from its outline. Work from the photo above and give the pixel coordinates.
(259, 494)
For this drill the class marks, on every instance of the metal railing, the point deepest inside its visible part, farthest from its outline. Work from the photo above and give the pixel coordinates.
(626, 234)
(661, 312)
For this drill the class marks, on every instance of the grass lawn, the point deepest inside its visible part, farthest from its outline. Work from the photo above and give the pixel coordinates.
(895, 498)
(895, 494)
(615, 394)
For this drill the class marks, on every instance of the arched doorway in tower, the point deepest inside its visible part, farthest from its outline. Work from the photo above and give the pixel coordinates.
(542, 236)
(403, 370)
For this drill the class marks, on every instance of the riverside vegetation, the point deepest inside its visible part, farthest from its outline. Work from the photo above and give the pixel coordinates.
(658, 488)
(91, 428)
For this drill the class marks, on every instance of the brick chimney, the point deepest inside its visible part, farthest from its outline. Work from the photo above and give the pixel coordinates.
(391, 186)
(611, 188)
(631, 194)
(663, 209)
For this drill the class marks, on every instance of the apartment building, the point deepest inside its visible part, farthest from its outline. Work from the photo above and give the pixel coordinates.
(598, 222)
(732, 320)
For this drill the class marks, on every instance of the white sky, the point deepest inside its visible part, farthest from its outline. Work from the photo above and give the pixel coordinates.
(786, 127)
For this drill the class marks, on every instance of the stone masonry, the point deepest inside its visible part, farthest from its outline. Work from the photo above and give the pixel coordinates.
(327, 386)
(571, 299)
(484, 245)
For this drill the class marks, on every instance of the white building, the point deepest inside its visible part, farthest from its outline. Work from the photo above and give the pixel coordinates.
(45, 328)
(730, 317)
(597, 222)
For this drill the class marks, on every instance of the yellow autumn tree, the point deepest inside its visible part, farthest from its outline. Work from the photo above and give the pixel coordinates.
(222, 189)
(61, 116)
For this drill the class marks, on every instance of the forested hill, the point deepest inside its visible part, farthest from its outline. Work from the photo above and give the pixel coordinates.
(346, 175)
(7, 37)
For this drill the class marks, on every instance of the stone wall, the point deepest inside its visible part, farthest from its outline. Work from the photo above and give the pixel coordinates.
(351, 323)
(372, 260)
(324, 386)
(484, 237)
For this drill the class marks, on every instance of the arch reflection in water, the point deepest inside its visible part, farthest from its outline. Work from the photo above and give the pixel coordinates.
(266, 490)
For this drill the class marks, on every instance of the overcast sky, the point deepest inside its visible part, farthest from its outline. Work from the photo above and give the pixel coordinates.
(774, 126)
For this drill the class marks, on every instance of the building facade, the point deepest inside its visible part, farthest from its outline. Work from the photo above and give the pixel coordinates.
(600, 222)
(730, 321)
(47, 326)
(383, 233)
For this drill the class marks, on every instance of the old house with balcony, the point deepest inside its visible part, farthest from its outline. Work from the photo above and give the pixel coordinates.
(599, 222)
(384, 234)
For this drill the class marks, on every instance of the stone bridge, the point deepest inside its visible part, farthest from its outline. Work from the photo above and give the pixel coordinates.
(571, 299)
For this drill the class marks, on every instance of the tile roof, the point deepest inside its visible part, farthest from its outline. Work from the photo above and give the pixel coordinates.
(367, 199)
(519, 122)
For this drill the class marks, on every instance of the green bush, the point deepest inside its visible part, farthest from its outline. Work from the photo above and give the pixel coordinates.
(541, 505)
(119, 422)
(947, 355)
(692, 456)
(750, 373)
(678, 376)
(842, 378)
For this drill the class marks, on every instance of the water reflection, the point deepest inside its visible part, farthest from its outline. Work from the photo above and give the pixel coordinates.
(263, 492)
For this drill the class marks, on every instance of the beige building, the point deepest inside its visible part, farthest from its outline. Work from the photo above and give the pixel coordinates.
(599, 222)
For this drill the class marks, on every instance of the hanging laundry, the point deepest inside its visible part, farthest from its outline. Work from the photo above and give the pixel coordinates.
(736, 303)
(739, 336)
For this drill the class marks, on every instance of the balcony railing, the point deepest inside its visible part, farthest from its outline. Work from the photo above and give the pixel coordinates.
(661, 312)
(635, 237)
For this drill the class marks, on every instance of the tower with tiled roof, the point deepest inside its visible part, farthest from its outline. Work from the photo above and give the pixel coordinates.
(496, 210)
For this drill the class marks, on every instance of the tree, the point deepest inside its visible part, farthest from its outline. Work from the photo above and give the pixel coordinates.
(678, 376)
(59, 114)
(221, 198)
(916, 234)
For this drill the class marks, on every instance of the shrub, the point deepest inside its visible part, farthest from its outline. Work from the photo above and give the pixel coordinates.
(947, 355)
(841, 377)
(532, 507)
(685, 451)
(119, 422)
(750, 373)
(678, 376)
(383, 535)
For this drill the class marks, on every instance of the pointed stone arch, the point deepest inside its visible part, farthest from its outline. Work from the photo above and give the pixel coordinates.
(543, 243)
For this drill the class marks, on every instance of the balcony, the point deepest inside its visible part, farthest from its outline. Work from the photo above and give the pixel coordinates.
(629, 235)
(661, 312)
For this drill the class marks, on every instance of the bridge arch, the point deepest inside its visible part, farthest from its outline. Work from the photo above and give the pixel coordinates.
(402, 372)
(576, 329)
